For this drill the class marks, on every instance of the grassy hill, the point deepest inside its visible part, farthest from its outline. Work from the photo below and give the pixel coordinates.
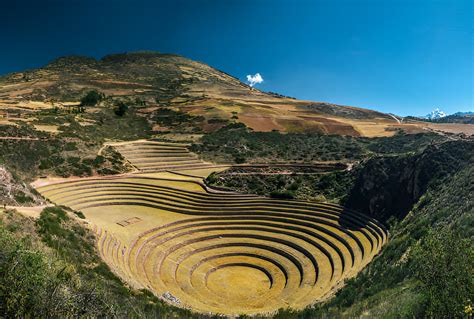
(161, 86)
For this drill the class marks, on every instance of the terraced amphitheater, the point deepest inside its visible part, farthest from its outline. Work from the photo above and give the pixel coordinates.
(149, 156)
(215, 251)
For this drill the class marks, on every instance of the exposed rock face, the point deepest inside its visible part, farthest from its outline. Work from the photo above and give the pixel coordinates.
(390, 186)
(15, 193)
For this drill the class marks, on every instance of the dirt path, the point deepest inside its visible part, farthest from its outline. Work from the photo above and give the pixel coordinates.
(277, 173)
(33, 211)
(396, 118)
(19, 138)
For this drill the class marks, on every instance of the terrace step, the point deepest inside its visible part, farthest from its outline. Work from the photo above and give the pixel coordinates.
(270, 253)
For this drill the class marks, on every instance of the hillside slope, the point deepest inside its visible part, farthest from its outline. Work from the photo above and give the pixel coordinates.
(151, 81)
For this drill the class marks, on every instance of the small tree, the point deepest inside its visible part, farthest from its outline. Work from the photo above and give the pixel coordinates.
(284, 194)
(240, 159)
(91, 99)
(212, 178)
(120, 108)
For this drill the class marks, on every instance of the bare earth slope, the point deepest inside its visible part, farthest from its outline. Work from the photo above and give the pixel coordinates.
(155, 81)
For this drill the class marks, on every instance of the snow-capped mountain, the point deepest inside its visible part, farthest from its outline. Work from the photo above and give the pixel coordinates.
(436, 114)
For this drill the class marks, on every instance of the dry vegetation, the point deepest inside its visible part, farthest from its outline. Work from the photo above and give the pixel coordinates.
(153, 81)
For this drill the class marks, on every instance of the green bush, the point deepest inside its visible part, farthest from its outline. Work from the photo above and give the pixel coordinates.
(99, 160)
(70, 146)
(50, 162)
(34, 284)
(239, 159)
(120, 109)
(91, 98)
(217, 121)
(443, 263)
(212, 178)
(176, 119)
(80, 214)
(22, 198)
(282, 194)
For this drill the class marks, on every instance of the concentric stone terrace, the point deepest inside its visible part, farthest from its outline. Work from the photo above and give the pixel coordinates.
(221, 252)
(148, 155)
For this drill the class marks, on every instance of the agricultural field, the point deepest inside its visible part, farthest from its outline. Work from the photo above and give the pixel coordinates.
(214, 251)
(148, 156)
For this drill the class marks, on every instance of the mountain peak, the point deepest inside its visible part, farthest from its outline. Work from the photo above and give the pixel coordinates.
(436, 114)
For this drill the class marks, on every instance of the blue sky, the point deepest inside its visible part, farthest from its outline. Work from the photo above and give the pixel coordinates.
(399, 56)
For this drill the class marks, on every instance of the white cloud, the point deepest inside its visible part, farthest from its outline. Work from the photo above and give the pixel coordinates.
(254, 79)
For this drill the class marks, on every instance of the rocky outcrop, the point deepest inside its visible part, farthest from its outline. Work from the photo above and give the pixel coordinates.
(15, 193)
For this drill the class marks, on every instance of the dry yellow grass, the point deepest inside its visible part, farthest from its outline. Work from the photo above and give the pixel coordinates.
(47, 128)
(453, 128)
(149, 156)
(33, 211)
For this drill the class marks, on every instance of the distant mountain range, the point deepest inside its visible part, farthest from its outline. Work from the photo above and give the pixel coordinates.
(462, 114)
(438, 116)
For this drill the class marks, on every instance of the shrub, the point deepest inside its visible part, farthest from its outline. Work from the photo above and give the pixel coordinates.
(73, 160)
(217, 121)
(22, 198)
(80, 214)
(282, 194)
(120, 109)
(169, 117)
(212, 178)
(70, 146)
(52, 161)
(239, 159)
(35, 284)
(99, 160)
